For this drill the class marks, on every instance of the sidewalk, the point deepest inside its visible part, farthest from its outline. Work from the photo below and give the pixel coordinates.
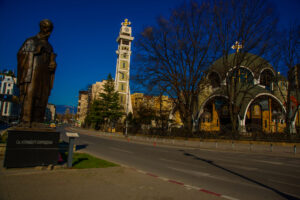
(272, 148)
(88, 184)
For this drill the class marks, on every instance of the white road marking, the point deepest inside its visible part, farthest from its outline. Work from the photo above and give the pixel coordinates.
(292, 185)
(182, 163)
(190, 172)
(228, 197)
(203, 174)
(162, 178)
(268, 162)
(189, 187)
(158, 149)
(121, 150)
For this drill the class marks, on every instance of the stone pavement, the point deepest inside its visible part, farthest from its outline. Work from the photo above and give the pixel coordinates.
(88, 184)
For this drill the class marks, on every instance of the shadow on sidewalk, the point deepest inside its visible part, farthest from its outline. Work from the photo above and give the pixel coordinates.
(284, 195)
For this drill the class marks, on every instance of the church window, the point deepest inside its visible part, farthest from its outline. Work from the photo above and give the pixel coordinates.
(122, 87)
(266, 79)
(214, 79)
(124, 65)
(242, 75)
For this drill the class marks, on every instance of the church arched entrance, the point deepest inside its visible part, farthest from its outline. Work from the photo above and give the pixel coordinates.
(215, 116)
(265, 114)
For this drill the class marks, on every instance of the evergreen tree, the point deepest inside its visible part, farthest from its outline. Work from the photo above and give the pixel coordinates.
(107, 110)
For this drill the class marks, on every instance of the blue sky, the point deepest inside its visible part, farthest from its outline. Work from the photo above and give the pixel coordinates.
(84, 35)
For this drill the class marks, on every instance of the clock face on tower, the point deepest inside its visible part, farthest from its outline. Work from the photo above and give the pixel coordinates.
(126, 29)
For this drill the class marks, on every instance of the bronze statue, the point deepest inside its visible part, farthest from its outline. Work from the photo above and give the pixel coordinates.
(36, 68)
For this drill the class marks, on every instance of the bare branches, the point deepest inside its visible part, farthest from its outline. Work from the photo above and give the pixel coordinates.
(174, 54)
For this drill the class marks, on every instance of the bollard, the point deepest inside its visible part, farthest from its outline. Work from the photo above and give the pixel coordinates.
(232, 145)
(295, 150)
(250, 147)
(72, 137)
(271, 147)
(216, 145)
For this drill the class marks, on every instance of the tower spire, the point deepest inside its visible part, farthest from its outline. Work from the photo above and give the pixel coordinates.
(123, 65)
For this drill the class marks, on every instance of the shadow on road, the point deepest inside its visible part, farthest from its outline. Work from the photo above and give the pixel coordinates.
(284, 195)
(64, 146)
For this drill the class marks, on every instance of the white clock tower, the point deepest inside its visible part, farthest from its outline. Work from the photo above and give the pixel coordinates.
(123, 65)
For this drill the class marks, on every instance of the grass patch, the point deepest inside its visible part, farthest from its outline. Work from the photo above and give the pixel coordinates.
(83, 161)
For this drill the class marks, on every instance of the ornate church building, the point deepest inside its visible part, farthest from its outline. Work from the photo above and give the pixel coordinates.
(258, 94)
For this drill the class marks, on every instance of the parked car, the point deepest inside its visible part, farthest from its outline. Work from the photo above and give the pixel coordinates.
(52, 125)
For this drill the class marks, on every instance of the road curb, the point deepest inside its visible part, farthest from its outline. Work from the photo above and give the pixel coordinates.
(189, 187)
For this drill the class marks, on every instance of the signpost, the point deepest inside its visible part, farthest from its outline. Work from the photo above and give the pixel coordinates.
(71, 137)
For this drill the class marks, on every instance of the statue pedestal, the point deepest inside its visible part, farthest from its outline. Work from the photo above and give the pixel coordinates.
(29, 147)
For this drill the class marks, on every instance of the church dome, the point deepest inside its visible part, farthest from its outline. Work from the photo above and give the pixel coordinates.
(254, 63)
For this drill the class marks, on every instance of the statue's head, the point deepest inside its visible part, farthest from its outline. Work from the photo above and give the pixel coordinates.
(46, 27)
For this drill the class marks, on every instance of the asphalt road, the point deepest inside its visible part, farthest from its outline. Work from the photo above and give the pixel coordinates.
(239, 175)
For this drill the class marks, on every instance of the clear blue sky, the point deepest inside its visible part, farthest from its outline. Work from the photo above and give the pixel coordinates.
(84, 35)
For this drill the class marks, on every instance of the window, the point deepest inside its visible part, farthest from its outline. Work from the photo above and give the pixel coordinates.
(5, 107)
(266, 123)
(124, 55)
(125, 42)
(214, 80)
(124, 65)
(122, 87)
(266, 79)
(4, 87)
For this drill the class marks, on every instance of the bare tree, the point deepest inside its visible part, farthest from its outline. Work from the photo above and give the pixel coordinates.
(288, 58)
(248, 27)
(173, 55)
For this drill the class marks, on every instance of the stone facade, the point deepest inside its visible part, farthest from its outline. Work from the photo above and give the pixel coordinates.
(157, 104)
(82, 109)
(96, 89)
